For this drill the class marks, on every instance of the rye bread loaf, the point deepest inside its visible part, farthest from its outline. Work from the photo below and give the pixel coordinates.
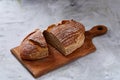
(34, 46)
(66, 36)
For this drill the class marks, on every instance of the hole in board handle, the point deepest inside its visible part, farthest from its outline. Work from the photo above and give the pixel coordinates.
(100, 28)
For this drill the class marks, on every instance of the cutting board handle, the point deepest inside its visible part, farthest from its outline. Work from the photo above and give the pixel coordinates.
(98, 30)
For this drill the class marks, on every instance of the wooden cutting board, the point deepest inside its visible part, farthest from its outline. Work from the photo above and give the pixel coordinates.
(56, 59)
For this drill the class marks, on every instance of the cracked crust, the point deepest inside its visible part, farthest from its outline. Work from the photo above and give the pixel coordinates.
(34, 46)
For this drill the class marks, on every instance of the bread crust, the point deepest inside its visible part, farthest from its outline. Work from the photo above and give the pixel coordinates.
(34, 46)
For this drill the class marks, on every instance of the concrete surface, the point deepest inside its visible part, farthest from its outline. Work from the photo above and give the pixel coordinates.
(19, 17)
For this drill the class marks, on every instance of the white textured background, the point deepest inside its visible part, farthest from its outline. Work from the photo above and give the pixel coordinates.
(19, 17)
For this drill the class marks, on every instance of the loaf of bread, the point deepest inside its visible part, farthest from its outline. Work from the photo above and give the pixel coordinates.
(34, 46)
(66, 36)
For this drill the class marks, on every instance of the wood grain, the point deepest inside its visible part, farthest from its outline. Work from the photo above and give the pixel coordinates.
(56, 59)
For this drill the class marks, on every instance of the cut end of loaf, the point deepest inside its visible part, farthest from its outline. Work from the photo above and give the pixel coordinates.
(52, 40)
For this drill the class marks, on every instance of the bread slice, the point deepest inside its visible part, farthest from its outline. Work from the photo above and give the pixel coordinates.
(66, 36)
(34, 46)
